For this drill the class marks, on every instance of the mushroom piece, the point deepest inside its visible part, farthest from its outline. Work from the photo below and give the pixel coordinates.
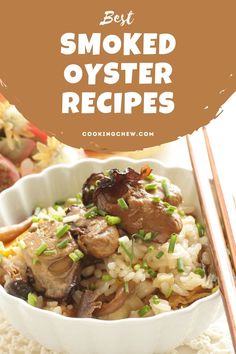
(95, 237)
(10, 233)
(53, 271)
(88, 304)
(147, 202)
(116, 302)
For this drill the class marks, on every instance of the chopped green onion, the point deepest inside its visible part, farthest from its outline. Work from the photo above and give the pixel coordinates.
(155, 300)
(102, 212)
(97, 183)
(150, 249)
(159, 254)
(169, 292)
(172, 243)
(127, 252)
(35, 219)
(106, 172)
(76, 255)
(63, 244)
(79, 198)
(92, 287)
(126, 287)
(215, 289)
(22, 244)
(170, 209)
(62, 230)
(137, 267)
(32, 299)
(113, 220)
(156, 199)
(35, 260)
(165, 187)
(57, 217)
(181, 213)
(148, 236)
(41, 249)
(106, 277)
(122, 203)
(144, 264)
(91, 213)
(90, 205)
(144, 310)
(140, 234)
(200, 271)
(71, 201)
(150, 187)
(180, 265)
(50, 252)
(152, 273)
(201, 229)
(150, 177)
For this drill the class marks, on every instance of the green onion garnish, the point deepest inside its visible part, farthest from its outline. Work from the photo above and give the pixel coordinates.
(148, 236)
(35, 260)
(170, 209)
(152, 273)
(159, 254)
(102, 212)
(137, 267)
(79, 198)
(181, 213)
(90, 205)
(180, 265)
(41, 249)
(32, 299)
(71, 201)
(62, 230)
(172, 243)
(76, 255)
(63, 244)
(155, 300)
(106, 277)
(122, 203)
(165, 187)
(201, 229)
(150, 177)
(144, 264)
(113, 220)
(126, 287)
(150, 187)
(35, 219)
(91, 213)
(127, 252)
(50, 252)
(150, 249)
(215, 289)
(200, 271)
(156, 199)
(144, 310)
(57, 217)
(92, 188)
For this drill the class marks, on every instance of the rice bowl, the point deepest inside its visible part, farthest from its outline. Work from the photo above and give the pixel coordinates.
(116, 266)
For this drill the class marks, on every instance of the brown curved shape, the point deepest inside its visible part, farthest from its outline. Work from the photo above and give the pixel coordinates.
(9, 233)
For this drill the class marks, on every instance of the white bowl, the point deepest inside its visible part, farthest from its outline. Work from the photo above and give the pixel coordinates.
(157, 334)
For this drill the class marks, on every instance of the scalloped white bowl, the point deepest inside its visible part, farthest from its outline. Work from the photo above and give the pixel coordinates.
(158, 334)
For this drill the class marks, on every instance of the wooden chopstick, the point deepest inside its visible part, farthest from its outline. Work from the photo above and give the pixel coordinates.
(216, 237)
(225, 202)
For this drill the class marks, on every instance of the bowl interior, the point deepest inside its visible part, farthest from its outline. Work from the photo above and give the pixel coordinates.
(60, 182)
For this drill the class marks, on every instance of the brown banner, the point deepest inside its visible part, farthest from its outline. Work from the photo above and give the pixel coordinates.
(203, 63)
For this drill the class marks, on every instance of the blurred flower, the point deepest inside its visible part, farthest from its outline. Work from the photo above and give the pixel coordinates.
(50, 154)
(13, 124)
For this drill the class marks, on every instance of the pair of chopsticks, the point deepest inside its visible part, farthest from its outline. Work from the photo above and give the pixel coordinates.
(222, 242)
